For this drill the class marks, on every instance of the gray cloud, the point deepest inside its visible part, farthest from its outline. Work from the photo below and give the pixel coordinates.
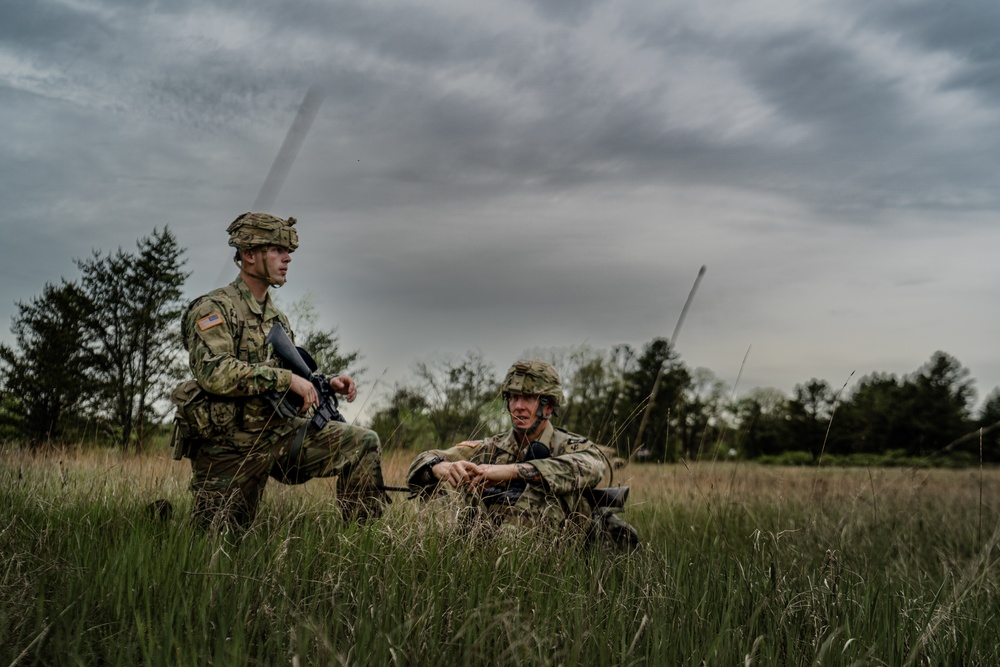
(515, 175)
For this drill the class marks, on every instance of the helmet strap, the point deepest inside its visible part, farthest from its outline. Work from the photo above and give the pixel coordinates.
(530, 429)
(539, 414)
(265, 278)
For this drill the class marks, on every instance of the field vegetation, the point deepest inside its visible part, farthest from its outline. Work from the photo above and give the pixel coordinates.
(742, 564)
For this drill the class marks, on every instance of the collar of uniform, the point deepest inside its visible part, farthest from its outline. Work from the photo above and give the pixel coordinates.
(268, 312)
(509, 444)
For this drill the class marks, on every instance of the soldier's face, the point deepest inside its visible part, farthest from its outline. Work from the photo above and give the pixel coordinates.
(523, 409)
(276, 260)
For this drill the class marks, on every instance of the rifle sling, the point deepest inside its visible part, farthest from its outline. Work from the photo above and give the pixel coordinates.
(287, 468)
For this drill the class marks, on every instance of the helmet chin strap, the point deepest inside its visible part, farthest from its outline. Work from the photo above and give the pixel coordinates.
(271, 281)
(266, 277)
(539, 413)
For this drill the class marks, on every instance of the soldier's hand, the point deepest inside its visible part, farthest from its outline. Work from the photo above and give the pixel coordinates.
(455, 473)
(306, 390)
(344, 385)
(493, 474)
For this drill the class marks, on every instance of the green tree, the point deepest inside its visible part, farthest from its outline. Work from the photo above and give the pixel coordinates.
(463, 396)
(701, 415)
(44, 379)
(134, 307)
(404, 422)
(322, 344)
(874, 418)
(920, 414)
(637, 385)
(989, 420)
(809, 412)
(762, 422)
(157, 281)
(942, 397)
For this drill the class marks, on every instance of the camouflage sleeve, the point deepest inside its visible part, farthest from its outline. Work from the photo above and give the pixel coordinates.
(417, 474)
(213, 355)
(578, 469)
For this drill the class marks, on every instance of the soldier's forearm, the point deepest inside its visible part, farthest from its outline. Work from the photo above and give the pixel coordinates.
(227, 376)
(570, 472)
(507, 472)
(420, 473)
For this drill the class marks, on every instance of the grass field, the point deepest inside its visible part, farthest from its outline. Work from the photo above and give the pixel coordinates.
(741, 565)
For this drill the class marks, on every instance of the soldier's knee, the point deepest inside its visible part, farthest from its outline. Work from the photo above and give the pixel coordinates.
(370, 443)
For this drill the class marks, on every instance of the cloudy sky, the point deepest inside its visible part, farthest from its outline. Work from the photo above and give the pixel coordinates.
(515, 174)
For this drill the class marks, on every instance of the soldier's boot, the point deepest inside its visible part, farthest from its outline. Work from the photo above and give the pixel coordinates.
(363, 505)
(232, 510)
(621, 532)
(610, 527)
(363, 497)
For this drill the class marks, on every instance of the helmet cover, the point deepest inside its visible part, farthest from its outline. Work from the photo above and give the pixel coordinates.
(251, 230)
(535, 377)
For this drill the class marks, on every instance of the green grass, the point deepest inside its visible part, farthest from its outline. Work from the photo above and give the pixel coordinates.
(743, 565)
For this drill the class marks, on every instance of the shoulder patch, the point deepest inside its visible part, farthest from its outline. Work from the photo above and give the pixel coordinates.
(574, 438)
(470, 443)
(210, 321)
(576, 441)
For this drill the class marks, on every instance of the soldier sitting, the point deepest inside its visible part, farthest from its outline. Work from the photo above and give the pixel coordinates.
(534, 471)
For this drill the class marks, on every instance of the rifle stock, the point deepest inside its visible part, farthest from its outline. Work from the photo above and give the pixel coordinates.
(612, 497)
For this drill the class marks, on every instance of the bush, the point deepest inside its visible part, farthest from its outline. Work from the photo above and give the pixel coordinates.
(790, 458)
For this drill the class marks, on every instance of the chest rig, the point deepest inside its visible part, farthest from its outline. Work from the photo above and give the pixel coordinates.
(253, 412)
(250, 413)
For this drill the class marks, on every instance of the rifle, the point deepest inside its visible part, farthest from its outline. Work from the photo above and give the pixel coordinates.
(289, 405)
(605, 504)
(301, 363)
(608, 497)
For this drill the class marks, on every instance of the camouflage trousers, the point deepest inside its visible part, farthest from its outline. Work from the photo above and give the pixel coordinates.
(534, 510)
(567, 515)
(229, 475)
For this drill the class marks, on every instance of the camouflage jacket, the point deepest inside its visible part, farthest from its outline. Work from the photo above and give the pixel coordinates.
(224, 334)
(575, 462)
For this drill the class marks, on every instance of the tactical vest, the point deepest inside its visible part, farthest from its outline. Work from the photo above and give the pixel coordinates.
(200, 415)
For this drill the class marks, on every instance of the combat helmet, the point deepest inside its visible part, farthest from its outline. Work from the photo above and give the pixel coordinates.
(251, 230)
(536, 377)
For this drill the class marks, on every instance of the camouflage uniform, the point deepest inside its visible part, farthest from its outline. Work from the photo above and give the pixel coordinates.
(575, 464)
(238, 439)
(569, 468)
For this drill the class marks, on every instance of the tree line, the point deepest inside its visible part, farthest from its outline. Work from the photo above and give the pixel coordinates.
(883, 418)
(99, 355)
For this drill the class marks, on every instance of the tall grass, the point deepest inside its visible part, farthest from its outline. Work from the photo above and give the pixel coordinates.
(742, 565)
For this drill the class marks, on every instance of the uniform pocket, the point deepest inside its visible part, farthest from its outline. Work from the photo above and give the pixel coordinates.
(256, 414)
(193, 414)
(222, 415)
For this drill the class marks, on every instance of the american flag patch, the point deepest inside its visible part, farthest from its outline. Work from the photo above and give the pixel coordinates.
(207, 323)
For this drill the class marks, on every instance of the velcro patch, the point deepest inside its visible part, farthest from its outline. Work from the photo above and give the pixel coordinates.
(470, 443)
(212, 320)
